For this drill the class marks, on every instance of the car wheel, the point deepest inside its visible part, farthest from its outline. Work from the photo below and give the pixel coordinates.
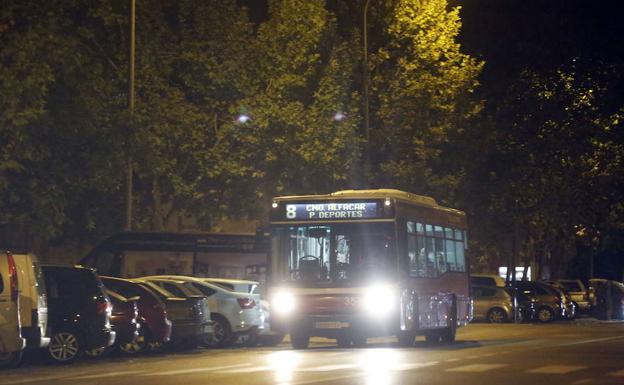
(136, 346)
(65, 347)
(545, 315)
(299, 340)
(496, 316)
(11, 359)
(95, 353)
(222, 333)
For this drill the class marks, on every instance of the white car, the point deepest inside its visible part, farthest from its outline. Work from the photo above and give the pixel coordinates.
(11, 342)
(33, 300)
(233, 314)
(267, 337)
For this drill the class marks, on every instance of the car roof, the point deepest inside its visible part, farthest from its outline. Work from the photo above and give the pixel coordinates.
(231, 280)
(182, 279)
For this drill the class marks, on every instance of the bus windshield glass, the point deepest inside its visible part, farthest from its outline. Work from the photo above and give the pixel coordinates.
(334, 252)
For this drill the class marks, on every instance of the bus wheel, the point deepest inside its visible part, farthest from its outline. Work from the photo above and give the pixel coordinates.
(299, 340)
(432, 336)
(359, 341)
(447, 334)
(343, 342)
(406, 339)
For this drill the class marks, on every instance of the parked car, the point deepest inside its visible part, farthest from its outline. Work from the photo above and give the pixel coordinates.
(579, 294)
(124, 322)
(189, 315)
(539, 302)
(234, 314)
(609, 298)
(33, 300)
(79, 312)
(266, 337)
(237, 285)
(569, 307)
(492, 304)
(156, 327)
(492, 280)
(11, 342)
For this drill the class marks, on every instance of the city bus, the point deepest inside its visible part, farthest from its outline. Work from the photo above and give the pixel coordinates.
(356, 264)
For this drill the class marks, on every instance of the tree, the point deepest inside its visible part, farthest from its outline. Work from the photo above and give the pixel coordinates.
(551, 167)
(423, 86)
(302, 78)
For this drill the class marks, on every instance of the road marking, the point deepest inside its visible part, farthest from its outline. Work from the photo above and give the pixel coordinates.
(33, 379)
(329, 368)
(194, 370)
(105, 375)
(476, 368)
(556, 369)
(246, 370)
(328, 379)
(619, 373)
(452, 360)
(583, 381)
(413, 365)
(591, 341)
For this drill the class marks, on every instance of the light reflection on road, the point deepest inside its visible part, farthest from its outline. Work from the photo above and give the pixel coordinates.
(379, 365)
(376, 365)
(284, 363)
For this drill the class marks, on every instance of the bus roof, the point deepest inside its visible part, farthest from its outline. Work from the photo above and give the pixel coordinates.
(420, 200)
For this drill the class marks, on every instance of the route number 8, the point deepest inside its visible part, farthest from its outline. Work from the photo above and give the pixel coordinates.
(291, 211)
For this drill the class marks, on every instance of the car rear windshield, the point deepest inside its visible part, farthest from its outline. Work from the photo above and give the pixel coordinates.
(71, 282)
(571, 286)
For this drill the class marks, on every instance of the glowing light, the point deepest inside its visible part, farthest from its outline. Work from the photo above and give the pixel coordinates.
(274, 205)
(379, 300)
(283, 303)
(379, 365)
(242, 118)
(388, 202)
(338, 116)
(283, 364)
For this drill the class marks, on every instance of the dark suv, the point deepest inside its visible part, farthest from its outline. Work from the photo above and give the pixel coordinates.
(539, 301)
(79, 312)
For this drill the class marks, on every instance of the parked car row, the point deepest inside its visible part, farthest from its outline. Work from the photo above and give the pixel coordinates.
(70, 311)
(496, 301)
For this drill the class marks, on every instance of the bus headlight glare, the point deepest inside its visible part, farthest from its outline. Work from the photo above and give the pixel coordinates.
(379, 300)
(283, 303)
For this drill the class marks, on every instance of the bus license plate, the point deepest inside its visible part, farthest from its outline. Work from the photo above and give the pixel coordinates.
(331, 325)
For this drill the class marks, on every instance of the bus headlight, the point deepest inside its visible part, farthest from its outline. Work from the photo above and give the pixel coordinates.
(379, 300)
(283, 303)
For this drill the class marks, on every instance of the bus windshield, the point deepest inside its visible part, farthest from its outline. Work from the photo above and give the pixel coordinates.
(334, 252)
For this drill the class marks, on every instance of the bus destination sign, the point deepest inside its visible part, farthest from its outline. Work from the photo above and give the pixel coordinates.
(331, 211)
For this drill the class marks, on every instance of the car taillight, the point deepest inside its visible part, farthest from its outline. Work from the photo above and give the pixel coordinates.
(246, 303)
(104, 307)
(13, 277)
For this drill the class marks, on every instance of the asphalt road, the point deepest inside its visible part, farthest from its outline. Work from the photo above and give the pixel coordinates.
(559, 353)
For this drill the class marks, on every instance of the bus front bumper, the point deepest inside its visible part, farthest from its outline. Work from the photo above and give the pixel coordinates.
(335, 325)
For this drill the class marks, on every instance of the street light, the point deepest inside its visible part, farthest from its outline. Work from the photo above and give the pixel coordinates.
(367, 159)
(129, 171)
